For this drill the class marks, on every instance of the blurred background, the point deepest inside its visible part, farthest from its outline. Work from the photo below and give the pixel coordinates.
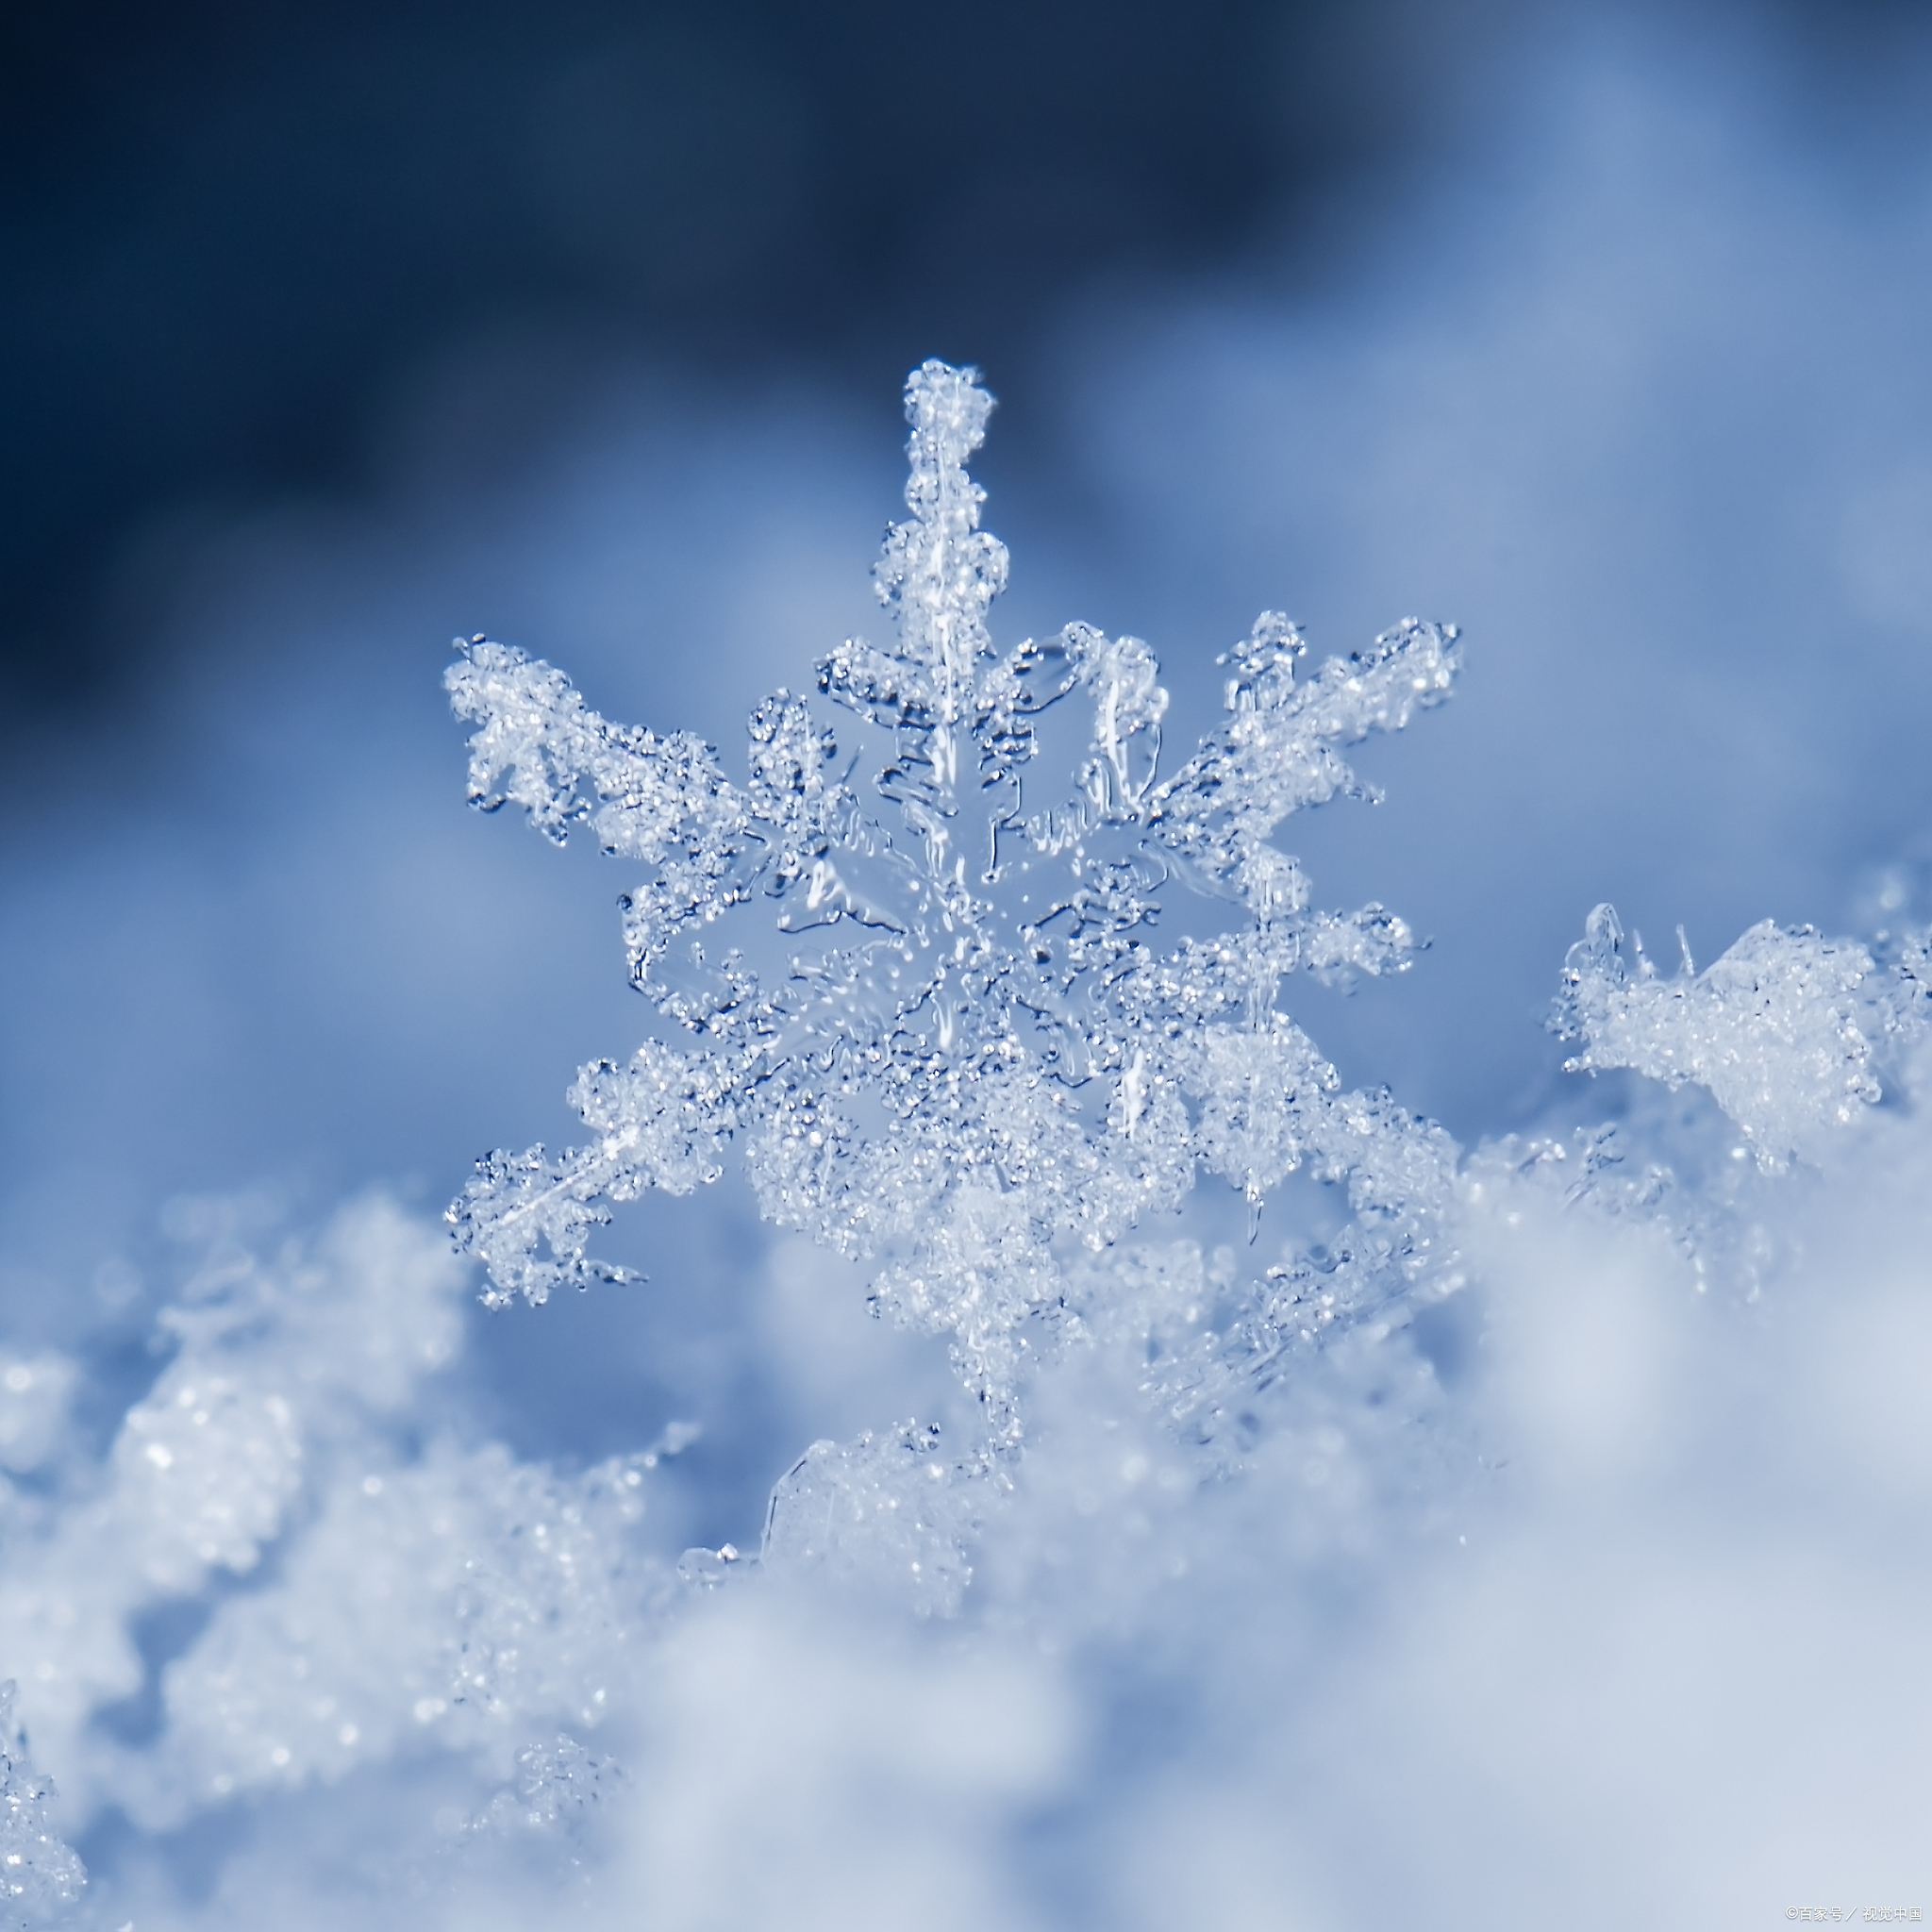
(329, 331)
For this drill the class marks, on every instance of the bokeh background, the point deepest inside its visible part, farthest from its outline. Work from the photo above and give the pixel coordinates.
(330, 331)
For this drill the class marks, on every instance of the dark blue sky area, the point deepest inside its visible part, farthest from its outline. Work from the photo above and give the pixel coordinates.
(231, 234)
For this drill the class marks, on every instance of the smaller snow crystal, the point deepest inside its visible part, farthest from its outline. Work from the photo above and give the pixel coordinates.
(1782, 1030)
(885, 1507)
(559, 1787)
(39, 1876)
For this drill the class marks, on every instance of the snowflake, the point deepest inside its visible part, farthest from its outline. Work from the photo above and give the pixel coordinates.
(961, 1045)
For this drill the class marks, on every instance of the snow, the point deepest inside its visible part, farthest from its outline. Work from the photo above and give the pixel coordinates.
(1315, 1518)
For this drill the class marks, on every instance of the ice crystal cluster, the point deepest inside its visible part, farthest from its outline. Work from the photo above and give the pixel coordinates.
(435, 1598)
(1786, 1031)
(984, 998)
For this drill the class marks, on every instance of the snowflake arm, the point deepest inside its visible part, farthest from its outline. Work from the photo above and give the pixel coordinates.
(1277, 753)
(664, 1121)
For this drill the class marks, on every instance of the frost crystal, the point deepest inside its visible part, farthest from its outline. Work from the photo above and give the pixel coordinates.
(971, 1055)
(39, 1876)
(559, 1786)
(1783, 1029)
(891, 1494)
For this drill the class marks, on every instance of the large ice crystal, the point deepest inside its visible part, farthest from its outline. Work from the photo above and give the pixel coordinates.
(973, 1056)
